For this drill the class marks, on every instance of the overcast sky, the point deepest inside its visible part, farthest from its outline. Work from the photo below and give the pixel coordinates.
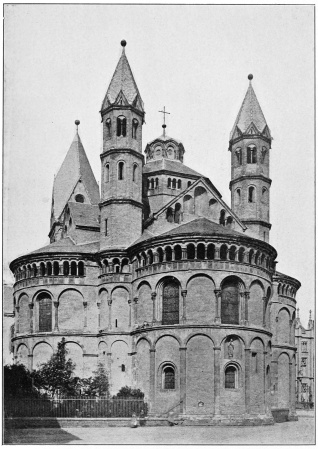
(194, 60)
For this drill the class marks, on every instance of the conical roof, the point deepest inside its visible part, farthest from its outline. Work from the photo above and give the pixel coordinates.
(75, 167)
(123, 87)
(249, 114)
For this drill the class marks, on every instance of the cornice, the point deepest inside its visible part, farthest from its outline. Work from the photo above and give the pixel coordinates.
(118, 107)
(248, 177)
(121, 201)
(122, 151)
(260, 222)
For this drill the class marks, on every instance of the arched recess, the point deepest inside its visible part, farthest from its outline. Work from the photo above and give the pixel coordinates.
(232, 348)
(213, 209)
(143, 366)
(120, 369)
(75, 353)
(71, 310)
(200, 300)
(283, 326)
(199, 375)
(169, 299)
(255, 304)
(23, 355)
(231, 287)
(102, 353)
(24, 322)
(42, 352)
(267, 306)
(188, 205)
(104, 308)
(257, 376)
(283, 381)
(144, 303)
(200, 201)
(120, 308)
(167, 352)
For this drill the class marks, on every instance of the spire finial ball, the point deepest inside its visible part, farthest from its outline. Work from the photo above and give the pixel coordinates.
(77, 122)
(250, 77)
(123, 43)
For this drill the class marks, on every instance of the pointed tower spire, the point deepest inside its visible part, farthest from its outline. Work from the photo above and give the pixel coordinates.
(250, 142)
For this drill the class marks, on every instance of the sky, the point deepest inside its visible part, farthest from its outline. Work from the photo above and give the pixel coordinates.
(192, 59)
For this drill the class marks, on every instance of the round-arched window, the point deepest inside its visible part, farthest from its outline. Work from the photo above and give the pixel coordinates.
(168, 378)
(79, 198)
(230, 381)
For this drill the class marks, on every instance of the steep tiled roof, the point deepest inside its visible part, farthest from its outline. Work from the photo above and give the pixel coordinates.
(201, 226)
(145, 236)
(74, 167)
(67, 245)
(250, 112)
(123, 81)
(170, 165)
(164, 138)
(84, 214)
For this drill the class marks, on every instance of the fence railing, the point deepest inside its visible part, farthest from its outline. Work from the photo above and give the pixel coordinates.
(74, 407)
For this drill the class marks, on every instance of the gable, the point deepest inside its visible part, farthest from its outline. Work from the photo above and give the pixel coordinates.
(198, 200)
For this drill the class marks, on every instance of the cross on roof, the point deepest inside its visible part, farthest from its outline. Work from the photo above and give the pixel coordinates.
(164, 119)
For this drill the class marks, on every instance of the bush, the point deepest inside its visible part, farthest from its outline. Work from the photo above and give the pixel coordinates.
(129, 393)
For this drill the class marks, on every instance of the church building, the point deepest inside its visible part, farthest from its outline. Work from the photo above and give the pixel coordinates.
(173, 290)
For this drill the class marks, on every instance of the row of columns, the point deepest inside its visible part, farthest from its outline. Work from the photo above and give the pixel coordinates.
(36, 272)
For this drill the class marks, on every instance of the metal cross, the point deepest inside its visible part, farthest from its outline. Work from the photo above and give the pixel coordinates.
(164, 119)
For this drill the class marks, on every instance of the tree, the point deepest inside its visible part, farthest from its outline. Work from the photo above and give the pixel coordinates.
(56, 375)
(18, 382)
(98, 385)
(129, 392)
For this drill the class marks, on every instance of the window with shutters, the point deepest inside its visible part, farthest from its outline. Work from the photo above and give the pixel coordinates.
(45, 313)
(230, 377)
(170, 303)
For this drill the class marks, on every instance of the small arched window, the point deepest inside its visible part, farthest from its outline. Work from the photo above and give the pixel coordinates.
(238, 153)
(121, 167)
(121, 126)
(79, 198)
(189, 183)
(174, 183)
(56, 268)
(238, 196)
(81, 268)
(66, 268)
(134, 128)
(42, 269)
(49, 268)
(152, 184)
(135, 167)
(168, 378)
(251, 154)
(179, 183)
(169, 215)
(222, 217)
(223, 252)
(108, 128)
(251, 194)
(73, 268)
(107, 173)
(157, 183)
(169, 183)
(230, 377)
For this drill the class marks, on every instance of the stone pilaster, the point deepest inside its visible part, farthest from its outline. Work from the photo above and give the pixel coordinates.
(217, 380)
(152, 379)
(85, 314)
(135, 319)
(56, 316)
(247, 380)
(109, 302)
(184, 306)
(154, 303)
(247, 297)
(183, 379)
(31, 305)
(217, 293)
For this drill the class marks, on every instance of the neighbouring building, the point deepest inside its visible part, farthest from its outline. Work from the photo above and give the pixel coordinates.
(305, 360)
(155, 276)
(7, 323)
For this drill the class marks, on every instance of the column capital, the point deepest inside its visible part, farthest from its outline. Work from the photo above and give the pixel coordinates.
(264, 298)
(129, 301)
(85, 303)
(217, 348)
(109, 302)
(184, 292)
(152, 350)
(136, 300)
(217, 291)
(98, 305)
(17, 308)
(247, 295)
(183, 348)
(31, 305)
(247, 349)
(56, 303)
(153, 295)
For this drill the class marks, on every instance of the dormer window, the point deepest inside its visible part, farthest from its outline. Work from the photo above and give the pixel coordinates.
(121, 126)
(134, 128)
(251, 154)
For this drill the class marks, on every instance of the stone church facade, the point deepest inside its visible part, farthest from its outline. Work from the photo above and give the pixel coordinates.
(174, 291)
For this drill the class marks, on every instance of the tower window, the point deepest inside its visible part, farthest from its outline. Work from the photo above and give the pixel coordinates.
(79, 198)
(107, 173)
(121, 166)
(121, 126)
(135, 172)
(123, 368)
(238, 153)
(168, 378)
(251, 154)
(108, 128)
(157, 183)
(189, 183)
(134, 128)
(106, 226)
(222, 217)
(169, 183)
(174, 182)
(230, 377)
(251, 195)
(179, 184)
(238, 196)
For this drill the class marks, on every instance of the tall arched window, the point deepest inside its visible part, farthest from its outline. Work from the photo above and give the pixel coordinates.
(35, 270)
(168, 378)
(121, 166)
(177, 252)
(170, 302)
(222, 217)
(107, 173)
(201, 251)
(135, 167)
(238, 153)
(108, 128)
(168, 251)
(230, 377)
(223, 252)
(251, 154)
(179, 183)
(42, 269)
(169, 215)
(230, 302)
(73, 268)
(238, 196)
(134, 128)
(174, 182)
(191, 251)
(210, 251)
(177, 213)
(169, 183)
(45, 312)
(121, 126)
(56, 268)
(251, 194)
(66, 268)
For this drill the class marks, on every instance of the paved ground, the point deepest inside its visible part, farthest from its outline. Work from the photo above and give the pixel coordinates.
(299, 432)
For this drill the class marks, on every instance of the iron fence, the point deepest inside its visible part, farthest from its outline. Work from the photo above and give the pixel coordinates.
(75, 407)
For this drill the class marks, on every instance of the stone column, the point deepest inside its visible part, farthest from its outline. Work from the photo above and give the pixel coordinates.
(217, 380)
(195, 252)
(173, 255)
(247, 297)
(183, 379)
(184, 306)
(136, 310)
(247, 379)
(61, 271)
(152, 379)
(109, 363)
(111, 267)
(217, 305)
(205, 252)
(264, 311)
(274, 382)
(56, 316)
(217, 253)
(30, 362)
(155, 257)
(242, 308)
(85, 314)
(292, 386)
(153, 298)
(109, 301)
(98, 315)
(164, 256)
(31, 317)
(184, 252)
(129, 303)
(17, 320)
(266, 392)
